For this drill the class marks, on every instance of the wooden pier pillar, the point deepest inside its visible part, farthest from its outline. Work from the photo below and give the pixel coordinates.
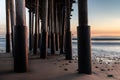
(57, 40)
(52, 29)
(30, 30)
(68, 43)
(49, 25)
(39, 33)
(56, 30)
(32, 25)
(61, 25)
(49, 36)
(44, 33)
(36, 27)
(12, 13)
(84, 46)
(20, 38)
(8, 26)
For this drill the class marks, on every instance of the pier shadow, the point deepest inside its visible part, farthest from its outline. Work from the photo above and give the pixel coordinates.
(6, 72)
(34, 58)
(71, 76)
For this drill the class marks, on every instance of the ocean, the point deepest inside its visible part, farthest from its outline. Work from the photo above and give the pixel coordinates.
(106, 49)
(2, 45)
(101, 47)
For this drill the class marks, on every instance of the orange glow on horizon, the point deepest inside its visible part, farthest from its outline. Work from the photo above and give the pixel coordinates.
(95, 31)
(105, 33)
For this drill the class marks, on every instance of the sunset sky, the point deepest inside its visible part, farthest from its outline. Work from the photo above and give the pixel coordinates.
(103, 17)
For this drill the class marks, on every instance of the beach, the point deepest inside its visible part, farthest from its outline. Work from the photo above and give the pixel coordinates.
(105, 64)
(56, 68)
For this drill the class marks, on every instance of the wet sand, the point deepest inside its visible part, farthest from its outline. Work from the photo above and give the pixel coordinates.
(56, 68)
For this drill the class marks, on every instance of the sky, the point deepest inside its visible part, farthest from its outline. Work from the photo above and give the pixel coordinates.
(103, 17)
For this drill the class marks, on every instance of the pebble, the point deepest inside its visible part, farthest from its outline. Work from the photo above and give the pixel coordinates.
(110, 75)
(65, 69)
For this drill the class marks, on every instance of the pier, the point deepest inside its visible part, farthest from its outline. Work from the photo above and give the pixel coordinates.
(53, 33)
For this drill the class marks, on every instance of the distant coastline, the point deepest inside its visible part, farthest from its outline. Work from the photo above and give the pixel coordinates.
(102, 38)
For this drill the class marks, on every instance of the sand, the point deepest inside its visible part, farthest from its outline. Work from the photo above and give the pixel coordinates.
(56, 68)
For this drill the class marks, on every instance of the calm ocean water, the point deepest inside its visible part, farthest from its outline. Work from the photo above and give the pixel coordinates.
(2, 44)
(99, 47)
(103, 48)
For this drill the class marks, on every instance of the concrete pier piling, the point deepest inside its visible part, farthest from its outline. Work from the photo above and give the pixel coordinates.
(61, 35)
(68, 43)
(39, 33)
(49, 39)
(36, 27)
(12, 16)
(52, 28)
(56, 29)
(44, 33)
(20, 39)
(32, 23)
(30, 30)
(49, 26)
(84, 45)
(8, 45)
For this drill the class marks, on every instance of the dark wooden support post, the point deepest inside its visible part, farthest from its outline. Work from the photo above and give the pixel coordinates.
(20, 38)
(39, 33)
(52, 29)
(30, 30)
(44, 34)
(32, 23)
(7, 26)
(36, 27)
(12, 13)
(56, 30)
(84, 46)
(49, 36)
(49, 25)
(61, 24)
(68, 43)
(63, 30)
(60, 37)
